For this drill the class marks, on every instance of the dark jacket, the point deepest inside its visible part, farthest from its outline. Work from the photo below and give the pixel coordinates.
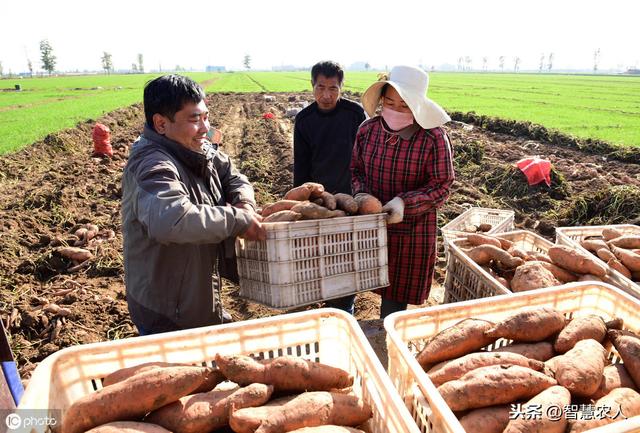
(175, 219)
(322, 145)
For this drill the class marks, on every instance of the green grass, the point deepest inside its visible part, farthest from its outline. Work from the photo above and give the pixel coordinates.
(603, 107)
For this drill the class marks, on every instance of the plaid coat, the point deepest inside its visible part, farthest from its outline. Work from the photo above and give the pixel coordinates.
(419, 169)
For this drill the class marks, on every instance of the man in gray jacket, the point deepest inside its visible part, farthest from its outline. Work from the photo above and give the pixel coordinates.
(181, 200)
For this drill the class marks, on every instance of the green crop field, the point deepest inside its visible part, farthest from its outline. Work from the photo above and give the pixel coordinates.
(604, 107)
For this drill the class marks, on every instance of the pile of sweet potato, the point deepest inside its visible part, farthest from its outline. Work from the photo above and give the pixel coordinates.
(310, 201)
(550, 363)
(621, 252)
(520, 270)
(284, 394)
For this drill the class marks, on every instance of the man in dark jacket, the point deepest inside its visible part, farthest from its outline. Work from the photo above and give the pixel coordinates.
(323, 139)
(181, 200)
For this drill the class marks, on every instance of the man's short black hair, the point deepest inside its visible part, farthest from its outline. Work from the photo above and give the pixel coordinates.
(327, 68)
(167, 95)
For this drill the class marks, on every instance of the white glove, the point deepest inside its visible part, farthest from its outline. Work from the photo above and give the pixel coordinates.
(395, 209)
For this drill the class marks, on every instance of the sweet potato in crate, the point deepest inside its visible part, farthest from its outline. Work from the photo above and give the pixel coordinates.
(304, 262)
(572, 236)
(325, 335)
(467, 280)
(408, 331)
(500, 220)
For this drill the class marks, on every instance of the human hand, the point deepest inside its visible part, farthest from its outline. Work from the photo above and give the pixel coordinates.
(256, 231)
(395, 209)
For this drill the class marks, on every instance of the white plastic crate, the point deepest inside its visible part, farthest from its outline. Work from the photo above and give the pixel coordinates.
(467, 280)
(325, 335)
(572, 236)
(304, 262)
(408, 331)
(501, 220)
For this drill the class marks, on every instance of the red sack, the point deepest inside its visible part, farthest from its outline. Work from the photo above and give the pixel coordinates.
(536, 170)
(102, 140)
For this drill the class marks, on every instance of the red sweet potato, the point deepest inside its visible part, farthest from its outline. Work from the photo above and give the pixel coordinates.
(529, 325)
(614, 376)
(553, 397)
(493, 419)
(628, 346)
(541, 351)
(620, 400)
(580, 328)
(128, 427)
(581, 368)
(576, 261)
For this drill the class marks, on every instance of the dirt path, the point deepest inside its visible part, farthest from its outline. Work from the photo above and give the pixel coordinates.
(54, 186)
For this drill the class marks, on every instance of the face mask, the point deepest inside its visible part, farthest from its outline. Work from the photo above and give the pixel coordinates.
(395, 119)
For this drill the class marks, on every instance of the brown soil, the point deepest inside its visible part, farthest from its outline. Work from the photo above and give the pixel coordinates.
(51, 188)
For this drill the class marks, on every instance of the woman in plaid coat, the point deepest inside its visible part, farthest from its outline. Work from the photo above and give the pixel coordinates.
(404, 158)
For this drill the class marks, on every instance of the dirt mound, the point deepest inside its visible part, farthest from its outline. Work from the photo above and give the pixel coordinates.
(54, 187)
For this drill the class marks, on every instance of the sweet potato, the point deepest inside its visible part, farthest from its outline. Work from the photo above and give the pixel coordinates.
(594, 245)
(299, 193)
(278, 206)
(493, 385)
(541, 351)
(492, 419)
(628, 346)
(318, 201)
(484, 254)
(316, 189)
(635, 276)
(368, 204)
(460, 339)
(552, 397)
(575, 261)
(560, 274)
(327, 429)
(505, 244)
(541, 257)
(312, 409)
(213, 378)
(628, 258)
(74, 253)
(456, 368)
(248, 420)
(532, 275)
(628, 242)
(208, 411)
(580, 328)
(611, 233)
(620, 400)
(311, 211)
(614, 376)
(605, 254)
(346, 203)
(484, 227)
(338, 213)
(476, 239)
(128, 427)
(551, 365)
(519, 252)
(328, 200)
(285, 373)
(529, 325)
(282, 216)
(132, 398)
(581, 368)
(617, 266)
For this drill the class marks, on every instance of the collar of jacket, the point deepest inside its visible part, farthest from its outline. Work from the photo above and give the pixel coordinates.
(195, 161)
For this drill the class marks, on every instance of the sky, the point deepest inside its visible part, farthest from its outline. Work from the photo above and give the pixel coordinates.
(196, 33)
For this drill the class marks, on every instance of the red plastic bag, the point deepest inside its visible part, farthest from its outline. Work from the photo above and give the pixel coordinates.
(536, 170)
(102, 140)
(268, 116)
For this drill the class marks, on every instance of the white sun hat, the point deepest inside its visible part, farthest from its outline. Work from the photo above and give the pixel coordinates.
(411, 83)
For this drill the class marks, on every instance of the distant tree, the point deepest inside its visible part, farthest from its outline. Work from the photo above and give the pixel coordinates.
(140, 63)
(178, 68)
(501, 63)
(30, 66)
(596, 60)
(484, 63)
(107, 63)
(134, 67)
(47, 57)
(541, 62)
(367, 66)
(247, 61)
(1, 69)
(550, 62)
(460, 65)
(516, 64)
(467, 61)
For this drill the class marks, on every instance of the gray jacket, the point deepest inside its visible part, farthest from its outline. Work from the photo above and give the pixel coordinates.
(175, 219)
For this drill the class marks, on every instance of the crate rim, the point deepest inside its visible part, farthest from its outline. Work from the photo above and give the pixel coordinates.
(508, 213)
(424, 383)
